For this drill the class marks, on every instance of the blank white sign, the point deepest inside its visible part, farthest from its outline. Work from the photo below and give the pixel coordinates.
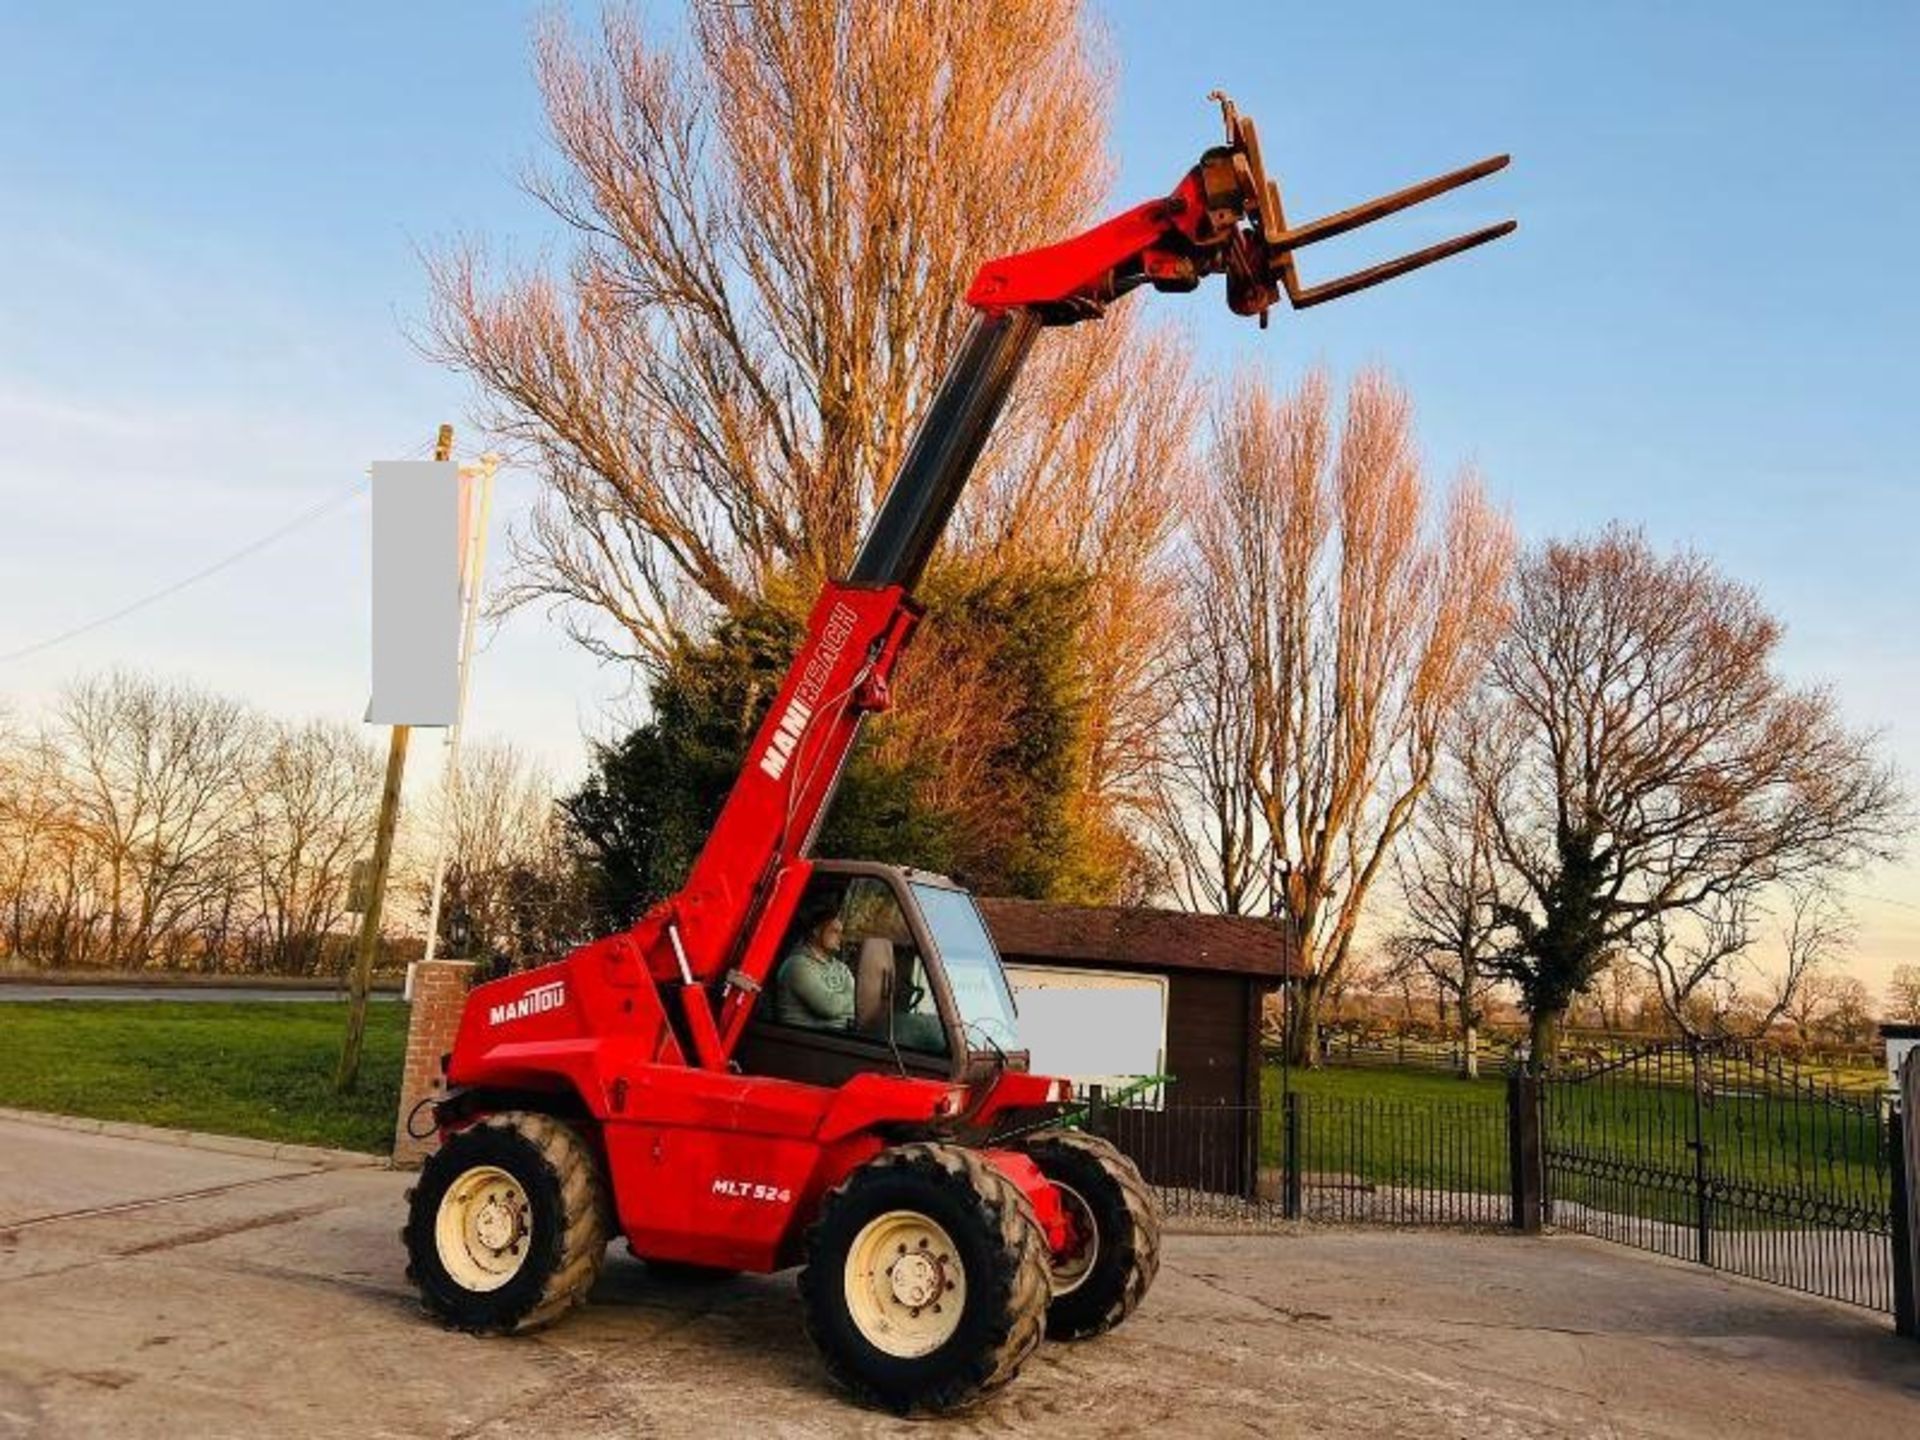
(1094, 1027)
(416, 592)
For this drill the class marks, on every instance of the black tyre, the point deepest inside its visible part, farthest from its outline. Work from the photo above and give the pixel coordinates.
(508, 1226)
(1115, 1223)
(926, 1280)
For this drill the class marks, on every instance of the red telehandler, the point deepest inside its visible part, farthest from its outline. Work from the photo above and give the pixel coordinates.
(873, 1121)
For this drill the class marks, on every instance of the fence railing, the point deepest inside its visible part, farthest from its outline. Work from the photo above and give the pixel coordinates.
(1398, 1161)
(1314, 1157)
(1712, 1155)
(1726, 1157)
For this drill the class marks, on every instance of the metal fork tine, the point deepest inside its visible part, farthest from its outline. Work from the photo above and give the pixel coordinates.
(1281, 261)
(1389, 270)
(1339, 224)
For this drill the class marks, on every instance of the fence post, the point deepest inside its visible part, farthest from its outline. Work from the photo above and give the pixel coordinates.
(1905, 1158)
(1523, 1149)
(1290, 1159)
(1096, 1110)
(1702, 1198)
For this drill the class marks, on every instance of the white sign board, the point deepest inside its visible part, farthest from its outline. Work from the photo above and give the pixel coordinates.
(1093, 1027)
(416, 593)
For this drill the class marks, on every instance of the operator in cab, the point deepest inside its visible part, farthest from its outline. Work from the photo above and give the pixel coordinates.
(815, 987)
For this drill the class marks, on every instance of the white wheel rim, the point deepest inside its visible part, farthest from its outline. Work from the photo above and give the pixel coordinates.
(1072, 1266)
(905, 1284)
(483, 1228)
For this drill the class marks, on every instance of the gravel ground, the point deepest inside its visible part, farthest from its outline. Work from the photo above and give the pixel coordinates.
(150, 1289)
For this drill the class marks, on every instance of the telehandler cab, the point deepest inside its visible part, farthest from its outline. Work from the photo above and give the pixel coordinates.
(894, 1143)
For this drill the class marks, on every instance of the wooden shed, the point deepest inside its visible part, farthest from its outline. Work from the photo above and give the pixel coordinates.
(1217, 970)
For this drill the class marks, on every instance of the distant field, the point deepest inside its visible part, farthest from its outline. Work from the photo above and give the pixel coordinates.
(264, 1071)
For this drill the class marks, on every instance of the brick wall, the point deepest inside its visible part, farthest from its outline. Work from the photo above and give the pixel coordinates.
(439, 993)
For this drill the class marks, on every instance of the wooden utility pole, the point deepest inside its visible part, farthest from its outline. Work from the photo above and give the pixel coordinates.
(361, 978)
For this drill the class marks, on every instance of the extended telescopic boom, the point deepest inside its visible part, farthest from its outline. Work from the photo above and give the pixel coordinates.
(1224, 217)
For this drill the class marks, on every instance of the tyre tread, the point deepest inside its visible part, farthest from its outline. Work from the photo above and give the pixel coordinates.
(1141, 1252)
(1021, 1261)
(585, 1207)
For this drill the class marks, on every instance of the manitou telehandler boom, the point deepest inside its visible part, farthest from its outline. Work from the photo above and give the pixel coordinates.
(873, 1121)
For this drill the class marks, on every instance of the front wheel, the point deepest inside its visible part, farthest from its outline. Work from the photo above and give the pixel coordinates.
(926, 1279)
(507, 1228)
(1113, 1223)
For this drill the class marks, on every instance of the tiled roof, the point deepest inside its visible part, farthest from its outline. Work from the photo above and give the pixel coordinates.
(1134, 937)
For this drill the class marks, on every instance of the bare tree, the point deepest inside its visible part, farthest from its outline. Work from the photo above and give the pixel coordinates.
(509, 892)
(1412, 985)
(1337, 627)
(147, 823)
(307, 812)
(1211, 841)
(39, 840)
(1806, 1009)
(1903, 994)
(1813, 937)
(770, 227)
(155, 769)
(1710, 979)
(1617, 992)
(1448, 893)
(1645, 763)
(1849, 1016)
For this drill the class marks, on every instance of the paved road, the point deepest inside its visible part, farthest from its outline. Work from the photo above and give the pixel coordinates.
(150, 1290)
(228, 994)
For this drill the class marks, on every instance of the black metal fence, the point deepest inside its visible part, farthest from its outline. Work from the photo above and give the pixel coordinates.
(1716, 1155)
(1727, 1157)
(1311, 1157)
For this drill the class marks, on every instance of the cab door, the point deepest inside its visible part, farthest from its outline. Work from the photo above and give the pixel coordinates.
(802, 1029)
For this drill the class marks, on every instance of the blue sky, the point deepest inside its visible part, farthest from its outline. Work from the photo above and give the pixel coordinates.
(210, 217)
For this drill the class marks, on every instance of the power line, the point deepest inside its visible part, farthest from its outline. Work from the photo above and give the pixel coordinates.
(1884, 900)
(252, 547)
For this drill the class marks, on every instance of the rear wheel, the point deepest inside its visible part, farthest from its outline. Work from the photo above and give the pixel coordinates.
(508, 1226)
(1113, 1224)
(926, 1280)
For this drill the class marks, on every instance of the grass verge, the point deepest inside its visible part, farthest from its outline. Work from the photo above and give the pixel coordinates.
(261, 1070)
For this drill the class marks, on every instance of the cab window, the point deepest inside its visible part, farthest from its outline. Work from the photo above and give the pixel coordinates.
(849, 964)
